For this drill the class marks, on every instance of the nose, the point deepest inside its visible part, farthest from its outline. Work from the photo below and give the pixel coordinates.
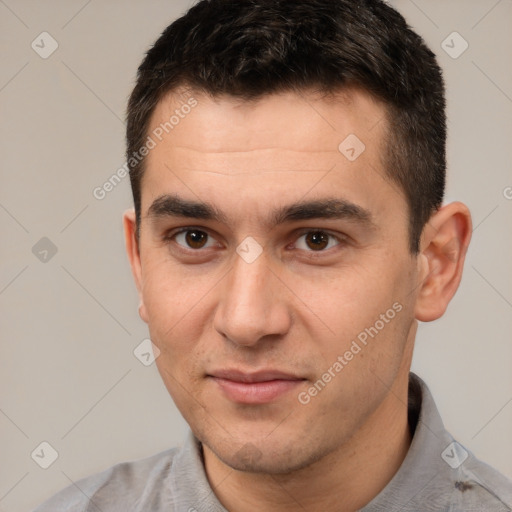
(252, 305)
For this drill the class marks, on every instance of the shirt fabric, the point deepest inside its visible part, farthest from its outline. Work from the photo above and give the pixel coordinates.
(437, 474)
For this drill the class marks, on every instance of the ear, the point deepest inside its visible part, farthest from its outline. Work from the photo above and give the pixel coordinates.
(132, 250)
(444, 243)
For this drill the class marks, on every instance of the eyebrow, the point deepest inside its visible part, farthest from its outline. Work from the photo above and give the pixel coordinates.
(328, 208)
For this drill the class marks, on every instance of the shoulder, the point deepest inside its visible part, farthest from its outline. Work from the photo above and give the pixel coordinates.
(479, 486)
(439, 473)
(459, 478)
(115, 489)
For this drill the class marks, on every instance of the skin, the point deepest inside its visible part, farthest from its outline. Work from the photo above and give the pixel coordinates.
(297, 307)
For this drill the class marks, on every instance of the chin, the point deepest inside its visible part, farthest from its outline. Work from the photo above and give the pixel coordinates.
(277, 457)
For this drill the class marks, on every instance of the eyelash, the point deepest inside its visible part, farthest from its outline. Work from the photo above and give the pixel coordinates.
(339, 238)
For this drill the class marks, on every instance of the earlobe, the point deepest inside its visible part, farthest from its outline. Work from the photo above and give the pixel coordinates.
(133, 253)
(445, 241)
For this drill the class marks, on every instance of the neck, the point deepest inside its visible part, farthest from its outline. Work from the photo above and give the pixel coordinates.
(344, 480)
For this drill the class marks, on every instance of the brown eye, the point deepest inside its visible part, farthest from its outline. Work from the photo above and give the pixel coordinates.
(193, 239)
(317, 240)
(196, 239)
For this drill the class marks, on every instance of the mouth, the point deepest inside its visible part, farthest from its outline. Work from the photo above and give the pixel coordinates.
(254, 388)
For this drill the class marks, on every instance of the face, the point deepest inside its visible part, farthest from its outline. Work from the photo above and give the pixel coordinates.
(274, 272)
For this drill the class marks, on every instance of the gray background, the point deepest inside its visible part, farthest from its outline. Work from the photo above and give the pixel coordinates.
(69, 324)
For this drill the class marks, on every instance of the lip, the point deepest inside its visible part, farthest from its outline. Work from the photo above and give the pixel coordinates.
(256, 387)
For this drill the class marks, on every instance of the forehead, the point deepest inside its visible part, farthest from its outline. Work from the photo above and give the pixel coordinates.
(281, 147)
(307, 120)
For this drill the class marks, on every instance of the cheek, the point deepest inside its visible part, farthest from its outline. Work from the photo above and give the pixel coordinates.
(168, 289)
(176, 320)
(174, 301)
(359, 311)
(347, 300)
(359, 365)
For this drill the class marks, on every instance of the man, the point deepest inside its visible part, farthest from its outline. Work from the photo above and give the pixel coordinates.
(287, 162)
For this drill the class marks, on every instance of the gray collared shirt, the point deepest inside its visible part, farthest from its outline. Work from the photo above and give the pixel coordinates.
(437, 474)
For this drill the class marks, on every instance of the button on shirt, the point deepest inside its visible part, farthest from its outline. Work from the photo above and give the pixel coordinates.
(438, 474)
